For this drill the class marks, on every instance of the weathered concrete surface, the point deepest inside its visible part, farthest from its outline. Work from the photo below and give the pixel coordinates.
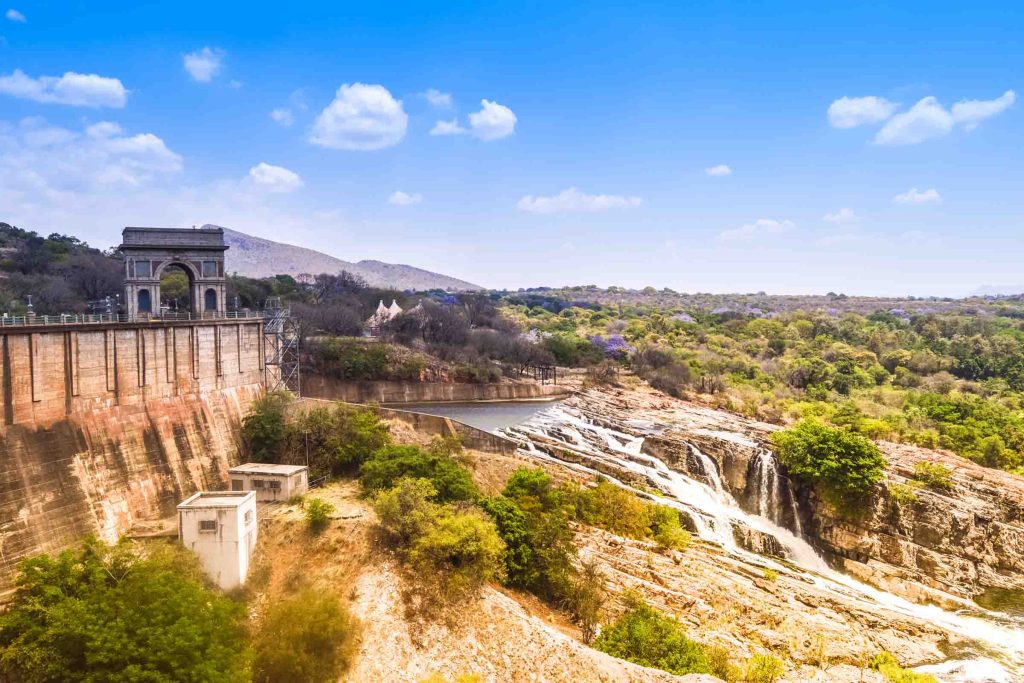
(318, 386)
(107, 427)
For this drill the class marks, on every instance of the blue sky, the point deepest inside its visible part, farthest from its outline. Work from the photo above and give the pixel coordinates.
(785, 147)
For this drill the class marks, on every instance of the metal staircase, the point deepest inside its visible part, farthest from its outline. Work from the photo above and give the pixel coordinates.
(281, 344)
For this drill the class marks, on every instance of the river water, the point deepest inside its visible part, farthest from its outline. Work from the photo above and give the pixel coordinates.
(552, 430)
(489, 416)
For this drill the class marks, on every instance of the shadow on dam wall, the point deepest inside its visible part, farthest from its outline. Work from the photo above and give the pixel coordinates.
(106, 428)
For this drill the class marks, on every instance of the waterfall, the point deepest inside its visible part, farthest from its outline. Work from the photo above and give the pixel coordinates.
(714, 512)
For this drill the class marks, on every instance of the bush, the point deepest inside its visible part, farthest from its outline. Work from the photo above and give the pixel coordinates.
(613, 508)
(902, 494)
(934, 475)
(339, 438)
(720, 661)
(318, 514)
(458, 553)
(407, 511)
(666, 528)
(309, 636)
(266, 434)
(763, 669)
(586, 598)
(647, 637)
(454, 551)
(391, 463)
(513, 527)
(112, 613)
(843, 467)
(887, 665)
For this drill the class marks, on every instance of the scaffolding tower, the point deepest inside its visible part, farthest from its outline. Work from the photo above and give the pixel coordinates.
(281, 341)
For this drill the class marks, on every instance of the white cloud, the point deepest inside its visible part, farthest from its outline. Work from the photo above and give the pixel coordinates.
(204, 64)
(850, 112)
(49, 163)
(235, 85)
(361, 117)
(283, 116)
(916, 196)
(104, 129)
(265, 176)
(760, 228)
(399, 198)
(572, 200)
(840, 217)
(438, 98)
(77, 90)
(719, 170)
(972, 112)
(493, 122)
(448, 128)
(15, 15)
(926, 120)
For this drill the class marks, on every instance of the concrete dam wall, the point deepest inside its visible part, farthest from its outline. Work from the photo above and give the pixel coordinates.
(106, 426)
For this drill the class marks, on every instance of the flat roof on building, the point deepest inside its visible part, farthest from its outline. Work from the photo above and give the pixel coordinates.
(216, 499)
(266, 468)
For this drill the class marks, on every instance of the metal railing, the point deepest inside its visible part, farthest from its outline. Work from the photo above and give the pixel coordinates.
(108, 318)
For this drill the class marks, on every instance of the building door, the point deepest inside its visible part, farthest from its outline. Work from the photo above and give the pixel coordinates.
(145, 303)
(210, 301)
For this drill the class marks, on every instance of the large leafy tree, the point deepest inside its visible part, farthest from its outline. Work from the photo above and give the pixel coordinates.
(843, 467)
(112, 613)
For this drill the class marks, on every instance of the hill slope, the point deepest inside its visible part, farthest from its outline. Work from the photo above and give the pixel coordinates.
(257, 257)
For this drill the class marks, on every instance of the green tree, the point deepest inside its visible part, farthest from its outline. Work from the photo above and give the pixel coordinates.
(309, 636)
(106, 613)
(266, 433)
(395, 462)
(843, 467)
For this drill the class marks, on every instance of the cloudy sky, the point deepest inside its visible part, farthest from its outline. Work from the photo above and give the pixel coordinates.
(786, 147)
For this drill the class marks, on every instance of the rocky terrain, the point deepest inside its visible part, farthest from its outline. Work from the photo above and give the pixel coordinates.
(960, 542)
(257, 257)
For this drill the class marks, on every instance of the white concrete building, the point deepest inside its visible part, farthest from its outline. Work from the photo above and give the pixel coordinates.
(270, 482)
(220, 527)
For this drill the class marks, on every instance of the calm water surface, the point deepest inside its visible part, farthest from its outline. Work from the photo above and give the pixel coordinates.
(482, 415)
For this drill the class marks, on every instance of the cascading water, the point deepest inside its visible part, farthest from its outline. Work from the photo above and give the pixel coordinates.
(715, 512)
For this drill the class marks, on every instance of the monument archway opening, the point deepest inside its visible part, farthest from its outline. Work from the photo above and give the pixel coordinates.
(176, 284)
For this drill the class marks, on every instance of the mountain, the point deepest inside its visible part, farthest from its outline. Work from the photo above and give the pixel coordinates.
(257, 257)
(997, 290)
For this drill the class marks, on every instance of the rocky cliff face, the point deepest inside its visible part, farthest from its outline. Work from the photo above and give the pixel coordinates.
(959, 542)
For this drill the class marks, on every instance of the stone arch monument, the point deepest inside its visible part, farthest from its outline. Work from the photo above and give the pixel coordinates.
(148, 252)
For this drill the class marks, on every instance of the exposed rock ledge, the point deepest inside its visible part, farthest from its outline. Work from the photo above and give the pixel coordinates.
(960, 542)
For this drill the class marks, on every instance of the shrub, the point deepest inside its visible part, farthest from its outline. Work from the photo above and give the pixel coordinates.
(266, 434)
(613, 508)
(339, 438)
(309, 636)
(934, 475)
(647, 637)
(513, 527)
(391, 463)
(886, 664)
(318, 514)
(902, 494)
(459, 552)
(843, 467)
(763, 669)
(586, 598)
(770, 574)
(666, 528)
(106, 613)
(407, 511)
(720, 661)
